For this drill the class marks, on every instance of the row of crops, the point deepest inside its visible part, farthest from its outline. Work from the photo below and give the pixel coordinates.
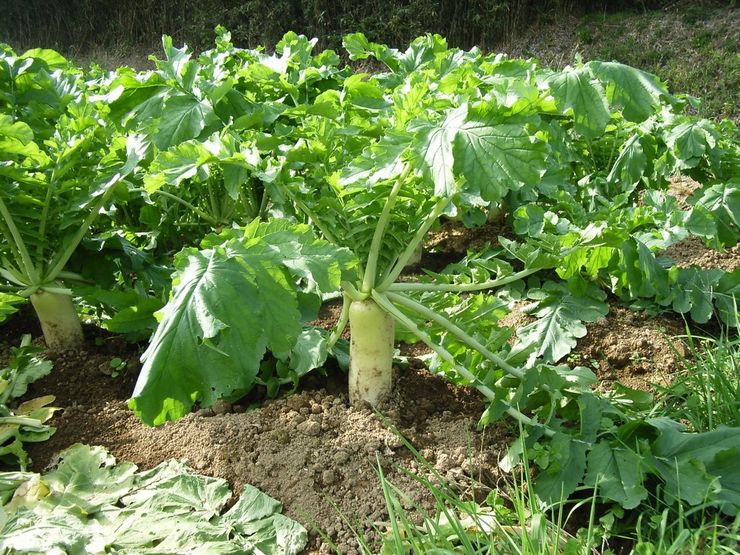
(210, 205)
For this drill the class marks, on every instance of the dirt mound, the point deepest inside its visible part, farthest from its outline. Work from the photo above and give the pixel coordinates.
(311, 451)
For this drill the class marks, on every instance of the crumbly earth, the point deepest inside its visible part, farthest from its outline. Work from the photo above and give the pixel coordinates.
(310, 450)
(693, 252)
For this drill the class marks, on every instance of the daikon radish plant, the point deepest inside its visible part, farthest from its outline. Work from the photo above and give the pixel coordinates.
(59, 165)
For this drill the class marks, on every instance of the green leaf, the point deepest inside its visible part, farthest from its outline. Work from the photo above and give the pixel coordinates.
(257, 515)
(634, 399)
(168, 509)
(694, 292)
(26, 422)
(309, 352)
(24, 368)
(135, 319)
(638, 93)
(51, 58)
(230, 304)
(560, 315)
(643, 275)
(723, 201)
(617, 472)
(183, 117)
(136, 99)
(171, 167)
(724, 465)
(575, 89)
(695, 466)
(566, 465)
(529, 220)
(691, 141)
(8, 304)
(17, 131)
(9, 483)
(590, 410)
(727, 298)
(497, 157)
(701, 222)
(204, 348)
(359, 48)
(433, 146)
(630, 166)
(87, 479)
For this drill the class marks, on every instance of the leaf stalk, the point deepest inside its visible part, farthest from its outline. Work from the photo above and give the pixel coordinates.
(371, 267)
(383, 301)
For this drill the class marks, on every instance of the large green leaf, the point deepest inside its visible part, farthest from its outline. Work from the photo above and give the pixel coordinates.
(14, 136)
(630, 166)
(564, 471)
(433, 146)
(575, 89)
(258, 517)
(636, 92)
(88, 479)
(168, 509)
(173, 166)
(694, 292)
(230, 304)
(643, 274)
(691, 141)
(496, 157)
(183, 117)
(695, 466)
(723, 201)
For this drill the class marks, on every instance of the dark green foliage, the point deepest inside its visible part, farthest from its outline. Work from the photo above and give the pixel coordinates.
(83, 23)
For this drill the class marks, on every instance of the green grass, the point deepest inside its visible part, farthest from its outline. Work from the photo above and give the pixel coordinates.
(667, 530)
(509, 521)
(694, 52)
(705, 392)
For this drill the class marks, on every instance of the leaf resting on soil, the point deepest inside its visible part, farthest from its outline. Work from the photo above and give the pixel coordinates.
(88, 504)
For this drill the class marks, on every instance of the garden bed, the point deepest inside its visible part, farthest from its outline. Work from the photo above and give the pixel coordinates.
(311, 450)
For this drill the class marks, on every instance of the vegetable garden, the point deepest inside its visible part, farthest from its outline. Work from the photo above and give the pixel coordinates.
(259, 229)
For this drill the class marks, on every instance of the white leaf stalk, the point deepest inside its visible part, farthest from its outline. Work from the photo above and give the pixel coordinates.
(59, 320)
(445, 355)
(371, 353)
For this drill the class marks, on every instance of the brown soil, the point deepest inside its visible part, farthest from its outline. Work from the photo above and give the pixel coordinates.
(454, 239)
(681, 188)
(632, 348)
(692, 252)
(310, 450)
